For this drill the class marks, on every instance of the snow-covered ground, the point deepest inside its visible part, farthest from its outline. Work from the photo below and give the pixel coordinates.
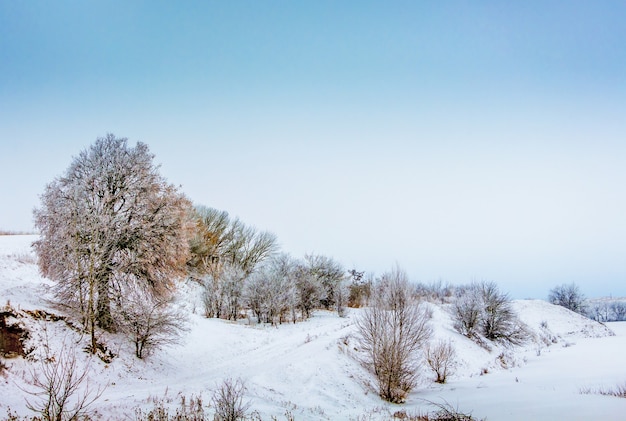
(310, 369)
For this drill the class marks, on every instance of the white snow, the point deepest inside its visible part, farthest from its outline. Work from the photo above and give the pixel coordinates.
(311, 368)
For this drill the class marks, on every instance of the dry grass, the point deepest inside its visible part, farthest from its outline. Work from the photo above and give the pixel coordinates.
(618, 391)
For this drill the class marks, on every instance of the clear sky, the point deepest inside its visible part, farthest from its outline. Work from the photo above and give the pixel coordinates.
(462, 140)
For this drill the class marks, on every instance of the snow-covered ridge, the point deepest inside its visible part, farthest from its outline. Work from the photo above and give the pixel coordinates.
(310, 369)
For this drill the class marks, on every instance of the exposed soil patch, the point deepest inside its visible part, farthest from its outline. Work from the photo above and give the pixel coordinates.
(12, 336)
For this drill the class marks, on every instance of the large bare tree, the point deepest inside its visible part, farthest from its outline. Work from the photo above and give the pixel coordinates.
(111, 223)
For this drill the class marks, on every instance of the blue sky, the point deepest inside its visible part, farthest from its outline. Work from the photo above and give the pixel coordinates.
(461, 140)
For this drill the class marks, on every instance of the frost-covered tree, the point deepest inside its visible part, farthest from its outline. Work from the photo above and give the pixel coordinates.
(110, 224)
(271, 292)
(328, 274)
(232, 281)
(568, 296)
(256, 291)
(307, 291)
(392, 333)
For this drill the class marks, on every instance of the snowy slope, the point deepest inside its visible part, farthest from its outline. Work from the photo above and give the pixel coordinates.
(310, 368)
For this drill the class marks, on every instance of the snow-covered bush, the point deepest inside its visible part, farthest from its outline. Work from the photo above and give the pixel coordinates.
(391, 333)
(500, 322)
(481, 310)
(308, 291)
(329, 276)
(467, 310)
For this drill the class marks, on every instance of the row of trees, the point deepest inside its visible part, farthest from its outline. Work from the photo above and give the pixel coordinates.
(115, 236)
(240, 269)
(606, 310)
(281, 289)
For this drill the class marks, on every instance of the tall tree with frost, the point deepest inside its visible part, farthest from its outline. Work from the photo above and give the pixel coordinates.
(110, 224)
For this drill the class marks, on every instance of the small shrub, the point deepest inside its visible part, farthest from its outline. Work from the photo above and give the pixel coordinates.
(57, 386)
(440, 357)
(391, 333)
(228, 401)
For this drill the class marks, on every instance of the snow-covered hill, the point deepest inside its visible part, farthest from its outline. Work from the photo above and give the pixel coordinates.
(310, 369)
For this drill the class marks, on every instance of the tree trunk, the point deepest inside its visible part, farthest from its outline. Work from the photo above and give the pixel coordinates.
(105, 321)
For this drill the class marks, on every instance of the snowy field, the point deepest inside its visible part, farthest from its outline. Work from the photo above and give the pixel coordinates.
(311, 370)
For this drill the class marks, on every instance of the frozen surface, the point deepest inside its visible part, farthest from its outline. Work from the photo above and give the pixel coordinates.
(311, 368)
